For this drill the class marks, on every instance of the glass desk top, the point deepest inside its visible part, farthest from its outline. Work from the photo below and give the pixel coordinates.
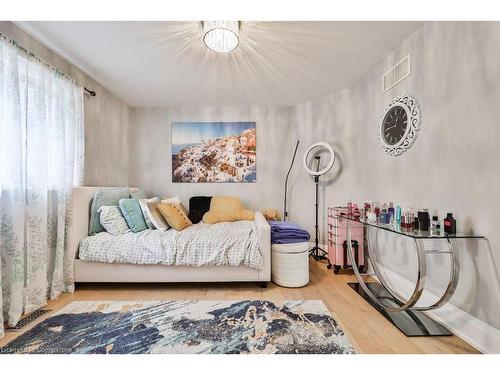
(417, 234)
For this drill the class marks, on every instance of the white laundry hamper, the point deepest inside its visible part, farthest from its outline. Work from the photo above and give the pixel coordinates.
(290, 264)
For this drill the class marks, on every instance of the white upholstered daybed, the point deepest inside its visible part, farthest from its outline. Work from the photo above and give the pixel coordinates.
(85, 271)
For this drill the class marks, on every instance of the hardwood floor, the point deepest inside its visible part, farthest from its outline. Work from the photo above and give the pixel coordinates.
(369, 331)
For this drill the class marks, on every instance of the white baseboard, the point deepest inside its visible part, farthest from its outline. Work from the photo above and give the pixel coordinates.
(476, 332)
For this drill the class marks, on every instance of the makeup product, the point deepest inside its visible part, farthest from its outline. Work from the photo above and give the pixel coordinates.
(366, 209)
(409, 219)
(416, 223)
(398, 215)
(424, 220)
(356, 214)
(384, 216)
(349, 208)
(434, 226)
(371, 217)
(450, 224)
(391, 212)
(377, 211)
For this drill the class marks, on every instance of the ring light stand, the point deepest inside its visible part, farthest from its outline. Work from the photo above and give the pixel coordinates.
(317, 252)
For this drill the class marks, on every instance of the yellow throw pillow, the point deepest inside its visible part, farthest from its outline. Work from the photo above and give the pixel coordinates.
(219, 216)
(174, 215)
(226, 204)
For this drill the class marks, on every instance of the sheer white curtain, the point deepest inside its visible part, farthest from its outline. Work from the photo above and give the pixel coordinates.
(41, 159)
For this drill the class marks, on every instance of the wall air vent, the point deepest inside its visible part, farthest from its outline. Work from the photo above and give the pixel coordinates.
(396, 74)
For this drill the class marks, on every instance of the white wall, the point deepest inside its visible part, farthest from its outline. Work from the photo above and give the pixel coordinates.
(151, 161)
(106, 118)
(453, 165)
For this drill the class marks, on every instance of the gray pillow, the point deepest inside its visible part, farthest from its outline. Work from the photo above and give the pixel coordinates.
(104, 197)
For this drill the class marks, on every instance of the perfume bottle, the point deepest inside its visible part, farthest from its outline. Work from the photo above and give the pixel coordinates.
(391, 213)
(450, 224)
(398, 215)
(371, 217)
(349, 208)
(377, 212)
(434, 226)
(424, 219)
(355, 213)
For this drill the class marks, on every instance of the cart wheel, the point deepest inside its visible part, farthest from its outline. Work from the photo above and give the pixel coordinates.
(329, 266)
(336, 269)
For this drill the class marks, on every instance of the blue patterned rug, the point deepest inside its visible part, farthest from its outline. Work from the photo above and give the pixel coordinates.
(254, 327)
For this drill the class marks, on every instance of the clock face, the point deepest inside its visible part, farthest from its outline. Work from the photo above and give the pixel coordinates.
(394, 125)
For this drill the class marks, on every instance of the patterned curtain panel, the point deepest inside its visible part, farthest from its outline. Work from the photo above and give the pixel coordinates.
(41, 159)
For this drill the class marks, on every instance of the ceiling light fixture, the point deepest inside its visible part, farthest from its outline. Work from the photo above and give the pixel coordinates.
(221, 36)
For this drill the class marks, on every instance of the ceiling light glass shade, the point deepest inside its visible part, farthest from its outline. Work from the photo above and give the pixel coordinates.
(221, 36)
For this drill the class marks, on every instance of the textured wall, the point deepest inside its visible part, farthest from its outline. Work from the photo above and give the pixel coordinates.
(453, 165)
(151, 162)
(106, 118)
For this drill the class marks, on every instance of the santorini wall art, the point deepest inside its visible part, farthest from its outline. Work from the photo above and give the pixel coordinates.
(214, 152)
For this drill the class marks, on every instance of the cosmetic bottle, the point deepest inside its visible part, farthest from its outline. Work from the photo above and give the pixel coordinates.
(424, 220)
(450, 224)
(349, 208)
(377, 212)
(371, 217)
(366, 209)
(416, 224)
(434, 226)
(398, 215)
(384, 216)
(355, 213)
(409, 218)
(391, 213)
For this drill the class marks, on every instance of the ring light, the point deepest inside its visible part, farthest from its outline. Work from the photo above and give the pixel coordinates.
(323, 145)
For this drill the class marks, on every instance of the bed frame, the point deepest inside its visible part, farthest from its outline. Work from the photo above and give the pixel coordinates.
(86, 272)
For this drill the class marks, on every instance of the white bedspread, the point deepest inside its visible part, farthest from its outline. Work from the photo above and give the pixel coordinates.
(222, 244)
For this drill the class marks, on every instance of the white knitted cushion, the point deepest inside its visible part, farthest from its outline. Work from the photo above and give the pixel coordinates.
(112, 220)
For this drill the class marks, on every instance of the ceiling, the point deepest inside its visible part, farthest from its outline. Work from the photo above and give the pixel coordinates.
(166, 64)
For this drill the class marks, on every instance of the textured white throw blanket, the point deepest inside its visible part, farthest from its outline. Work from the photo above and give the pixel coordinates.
(222, 244)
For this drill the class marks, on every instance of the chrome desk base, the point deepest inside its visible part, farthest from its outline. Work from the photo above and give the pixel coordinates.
(411, 322)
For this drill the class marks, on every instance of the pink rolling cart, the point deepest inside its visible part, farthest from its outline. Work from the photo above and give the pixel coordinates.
(337, 241)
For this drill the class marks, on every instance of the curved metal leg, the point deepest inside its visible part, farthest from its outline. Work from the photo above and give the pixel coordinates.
(452, 281)
(419, 285)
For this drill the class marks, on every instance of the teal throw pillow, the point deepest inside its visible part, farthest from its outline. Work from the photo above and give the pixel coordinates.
(132, 213)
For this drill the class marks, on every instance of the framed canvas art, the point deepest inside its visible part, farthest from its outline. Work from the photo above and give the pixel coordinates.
(214, 152)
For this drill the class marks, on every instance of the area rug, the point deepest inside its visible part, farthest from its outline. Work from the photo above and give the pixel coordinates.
(217, 327)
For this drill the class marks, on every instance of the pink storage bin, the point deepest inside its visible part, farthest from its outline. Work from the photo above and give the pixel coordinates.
(337, 250)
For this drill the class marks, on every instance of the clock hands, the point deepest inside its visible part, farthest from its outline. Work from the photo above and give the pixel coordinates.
(396, 124)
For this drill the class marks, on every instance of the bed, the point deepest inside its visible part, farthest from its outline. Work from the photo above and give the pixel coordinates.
(96, 266)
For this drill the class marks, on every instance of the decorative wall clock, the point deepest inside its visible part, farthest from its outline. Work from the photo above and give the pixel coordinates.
(400, 125)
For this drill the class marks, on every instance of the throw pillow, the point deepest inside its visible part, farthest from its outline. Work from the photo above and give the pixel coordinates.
(104, 197)
(219, 216)
(226, 204)
(174, 215)
(156, 218)
(138, 194)
(175, 200)
(198, 206)
(143, 203)
(132, 213)
(112, 220)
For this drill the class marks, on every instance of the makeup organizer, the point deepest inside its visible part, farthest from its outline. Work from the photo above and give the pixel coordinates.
(407, 314)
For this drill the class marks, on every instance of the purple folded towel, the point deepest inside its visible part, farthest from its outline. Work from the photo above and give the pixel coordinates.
(287, 232)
